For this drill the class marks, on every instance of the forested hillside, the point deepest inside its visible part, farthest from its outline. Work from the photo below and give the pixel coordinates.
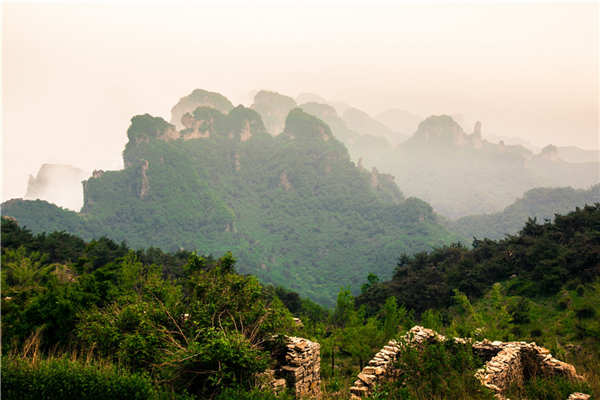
(540, 203)
(104, 321)
(293, 208)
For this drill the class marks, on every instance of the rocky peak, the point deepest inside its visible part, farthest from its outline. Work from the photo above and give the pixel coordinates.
(198, 98)
(240, 124)
(273, 108)
(477, 129)
(440, 130)
(145, 127)
(300, 125)
(550, 153)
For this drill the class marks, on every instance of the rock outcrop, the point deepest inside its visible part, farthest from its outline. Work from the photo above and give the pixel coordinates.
(507, 363)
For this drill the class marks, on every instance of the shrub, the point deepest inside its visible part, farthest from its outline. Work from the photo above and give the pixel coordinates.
(63, 379)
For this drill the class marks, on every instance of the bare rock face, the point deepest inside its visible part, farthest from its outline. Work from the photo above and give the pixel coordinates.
(198, 98)
(145, 186)
(507, 363)
(58, 184)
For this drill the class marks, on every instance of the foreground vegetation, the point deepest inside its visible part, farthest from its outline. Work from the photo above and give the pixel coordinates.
(96, 318)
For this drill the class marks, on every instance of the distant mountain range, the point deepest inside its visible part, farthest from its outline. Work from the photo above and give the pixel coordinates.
(277, 185)
(293, 208)
(540, 203)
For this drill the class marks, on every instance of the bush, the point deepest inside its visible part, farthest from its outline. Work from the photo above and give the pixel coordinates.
(547, 389)
(63, 379)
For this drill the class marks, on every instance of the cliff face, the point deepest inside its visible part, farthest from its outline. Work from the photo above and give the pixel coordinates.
(58, 184)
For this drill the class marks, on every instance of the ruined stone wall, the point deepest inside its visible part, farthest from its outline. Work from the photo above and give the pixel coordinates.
(506, 363)
(382, 366)
(298, 368)
(515, 362)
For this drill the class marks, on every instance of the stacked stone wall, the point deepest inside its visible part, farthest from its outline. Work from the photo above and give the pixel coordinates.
(298, 368)
(506, 363)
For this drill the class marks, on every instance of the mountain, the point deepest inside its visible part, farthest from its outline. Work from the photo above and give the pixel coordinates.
(400, 121)
(461, 173)
(59, 184)
(273, 108)
(360, 121)
(540, 203)
(577, 155)
(539, 260)
(293, 208)
(199, 98)
(310, 98)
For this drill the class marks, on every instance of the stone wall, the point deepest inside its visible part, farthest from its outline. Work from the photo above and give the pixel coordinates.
(506, 363)
(515, 362)
(382, 367)
(298, 367)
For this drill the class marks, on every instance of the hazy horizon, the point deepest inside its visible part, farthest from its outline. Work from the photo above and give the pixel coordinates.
(74, 74)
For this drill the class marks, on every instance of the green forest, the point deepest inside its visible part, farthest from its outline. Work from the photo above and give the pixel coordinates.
(97, 319)
(294, 209)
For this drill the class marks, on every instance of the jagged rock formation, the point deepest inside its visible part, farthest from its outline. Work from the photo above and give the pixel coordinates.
(198, 98)
(298, 367)
(273, 108)
(58, 184)
(506, 363)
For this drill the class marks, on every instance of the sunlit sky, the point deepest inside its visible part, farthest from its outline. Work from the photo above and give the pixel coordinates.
(73, 74)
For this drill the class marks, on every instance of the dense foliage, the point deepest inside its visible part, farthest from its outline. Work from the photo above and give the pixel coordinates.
(539, 261)
(539, 203)
(437, 371)
(90, 317)
(191, 323)
(59, 379)
(293, 208)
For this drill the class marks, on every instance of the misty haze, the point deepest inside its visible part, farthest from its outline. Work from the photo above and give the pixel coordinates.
(286, 201)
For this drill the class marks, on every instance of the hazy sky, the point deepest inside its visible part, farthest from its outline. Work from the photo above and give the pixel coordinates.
(74, 74)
